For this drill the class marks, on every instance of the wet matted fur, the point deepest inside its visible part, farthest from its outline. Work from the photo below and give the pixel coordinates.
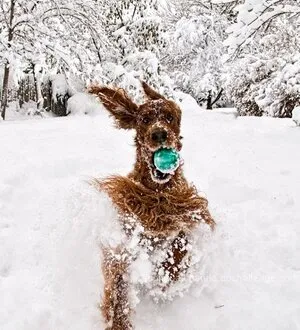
(165, 205)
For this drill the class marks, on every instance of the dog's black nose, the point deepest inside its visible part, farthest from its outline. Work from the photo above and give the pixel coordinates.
(159, 136)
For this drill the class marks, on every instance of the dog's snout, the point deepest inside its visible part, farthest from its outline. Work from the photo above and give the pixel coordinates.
(159, 136)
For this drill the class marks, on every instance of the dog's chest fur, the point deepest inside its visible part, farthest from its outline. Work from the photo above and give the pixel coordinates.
(161, 214)
(156, 224)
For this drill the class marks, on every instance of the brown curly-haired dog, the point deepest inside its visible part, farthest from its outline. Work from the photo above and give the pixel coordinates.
(164, 204)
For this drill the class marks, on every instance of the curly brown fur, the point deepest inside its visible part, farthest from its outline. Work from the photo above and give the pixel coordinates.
(162, 213)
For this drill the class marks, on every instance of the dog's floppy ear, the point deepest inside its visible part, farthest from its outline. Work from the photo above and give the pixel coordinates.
(150, 93)
(119, 105)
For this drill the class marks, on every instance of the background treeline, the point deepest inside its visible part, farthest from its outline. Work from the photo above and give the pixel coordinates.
(241, 53)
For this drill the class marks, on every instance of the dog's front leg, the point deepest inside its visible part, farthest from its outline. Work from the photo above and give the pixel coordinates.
(173, 264)
(115, 304)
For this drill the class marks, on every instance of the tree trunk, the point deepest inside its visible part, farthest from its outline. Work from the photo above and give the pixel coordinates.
(217, 97)
(6, 68)
(38, 88)
(209, 101)
(4, 91)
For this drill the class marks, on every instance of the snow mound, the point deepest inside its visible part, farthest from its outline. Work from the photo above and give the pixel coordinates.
(186, 102)
(84, 104)
(296, 116)
(227, 112)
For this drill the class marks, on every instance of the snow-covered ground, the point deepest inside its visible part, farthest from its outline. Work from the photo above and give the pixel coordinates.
(49, 261)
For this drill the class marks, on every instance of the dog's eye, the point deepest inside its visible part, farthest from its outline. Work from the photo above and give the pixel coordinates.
(169, 118)
(146, 120)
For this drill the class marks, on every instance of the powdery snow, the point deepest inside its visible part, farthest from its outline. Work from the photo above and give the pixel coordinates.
(50, 219)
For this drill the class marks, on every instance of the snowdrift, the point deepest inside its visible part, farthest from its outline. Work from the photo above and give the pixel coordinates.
(49, 217)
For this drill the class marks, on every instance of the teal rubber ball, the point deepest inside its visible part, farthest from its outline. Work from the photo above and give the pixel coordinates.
(166, 160)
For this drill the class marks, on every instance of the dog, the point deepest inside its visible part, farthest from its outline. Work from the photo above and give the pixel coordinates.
(157, 210)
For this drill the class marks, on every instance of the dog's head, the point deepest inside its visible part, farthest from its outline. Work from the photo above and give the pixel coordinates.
(157, 123)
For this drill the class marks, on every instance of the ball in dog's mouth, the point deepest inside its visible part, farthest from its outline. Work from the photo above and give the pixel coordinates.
(165, 162)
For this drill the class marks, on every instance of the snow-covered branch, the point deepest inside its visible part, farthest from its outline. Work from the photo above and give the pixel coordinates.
(252, 17)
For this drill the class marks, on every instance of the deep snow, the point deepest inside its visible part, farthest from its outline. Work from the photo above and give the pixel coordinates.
(49, 261)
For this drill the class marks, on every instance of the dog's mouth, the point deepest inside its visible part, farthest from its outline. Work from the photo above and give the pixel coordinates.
(163, 164)
(159, 176)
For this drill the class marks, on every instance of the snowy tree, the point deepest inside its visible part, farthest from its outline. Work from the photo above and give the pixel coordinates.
(78, 29)
(174, 10)
(80, 48)
(49, 37)
(48, 43)
(265, 86)
(7, 32)
(255, 16)
(132, 25)
(134, 29)
(263, 71)
(194, 52)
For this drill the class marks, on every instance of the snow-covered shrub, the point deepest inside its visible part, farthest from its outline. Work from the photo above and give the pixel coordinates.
(57, 89)
(263, 70)
(296, 116)
(243, 82)
(186, 101)
(265, 86)
(282, 93)
(83, 104)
